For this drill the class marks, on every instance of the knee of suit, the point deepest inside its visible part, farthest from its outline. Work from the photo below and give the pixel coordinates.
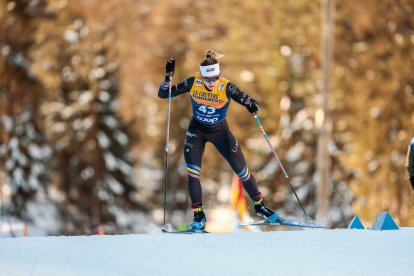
(193, 170)
(244, 174)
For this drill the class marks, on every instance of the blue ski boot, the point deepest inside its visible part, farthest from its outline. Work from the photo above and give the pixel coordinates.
(199, 222)
(265, 212)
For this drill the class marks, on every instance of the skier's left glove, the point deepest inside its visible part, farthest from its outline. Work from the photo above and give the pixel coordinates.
(170, 67)
(252, 106)
(412, 181)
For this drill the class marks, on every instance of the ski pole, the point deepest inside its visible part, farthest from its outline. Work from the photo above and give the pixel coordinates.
(167, 141)
(280, 163)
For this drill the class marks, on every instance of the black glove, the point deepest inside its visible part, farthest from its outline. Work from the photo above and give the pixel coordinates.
(412, 180)
(252, 106)
(170, 67)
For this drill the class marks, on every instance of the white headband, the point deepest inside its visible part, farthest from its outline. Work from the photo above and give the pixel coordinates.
(210, 70)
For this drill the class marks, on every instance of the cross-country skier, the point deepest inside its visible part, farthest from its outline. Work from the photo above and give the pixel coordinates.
(410, 161)
(210, 96)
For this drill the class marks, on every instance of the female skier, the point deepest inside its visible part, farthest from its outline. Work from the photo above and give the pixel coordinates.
(210, 96)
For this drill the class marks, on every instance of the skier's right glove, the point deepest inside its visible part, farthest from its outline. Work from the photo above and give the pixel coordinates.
(170, 67)
(252, 106)
(412, 181)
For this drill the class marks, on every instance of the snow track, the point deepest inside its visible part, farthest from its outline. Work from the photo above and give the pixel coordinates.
(308, 252)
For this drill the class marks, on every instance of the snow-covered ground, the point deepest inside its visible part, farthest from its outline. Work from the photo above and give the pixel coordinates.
(308, 252)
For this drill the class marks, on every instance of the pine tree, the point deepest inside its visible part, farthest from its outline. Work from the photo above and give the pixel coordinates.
(374, 57)
(24, 151)
(92, 141)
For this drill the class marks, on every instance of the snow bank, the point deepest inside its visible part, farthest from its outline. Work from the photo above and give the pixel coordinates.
(309, 252)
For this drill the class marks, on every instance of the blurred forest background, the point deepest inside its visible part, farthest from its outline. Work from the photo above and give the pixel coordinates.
(82, 131)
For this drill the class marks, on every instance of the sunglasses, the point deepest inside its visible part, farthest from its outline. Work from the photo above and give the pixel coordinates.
(213, 79)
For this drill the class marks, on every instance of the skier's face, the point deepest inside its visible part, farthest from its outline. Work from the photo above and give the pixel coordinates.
(211, 83)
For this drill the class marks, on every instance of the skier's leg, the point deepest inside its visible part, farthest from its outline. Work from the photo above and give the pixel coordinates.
(230, 149)
(228, 146)
(194, 146)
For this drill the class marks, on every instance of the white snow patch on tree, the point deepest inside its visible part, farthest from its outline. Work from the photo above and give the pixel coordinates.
(110, 161)
(296, 152)
(71, 37)
(103, 140)
(7, 122)
(110, 121)
(87, 173)
(33, 182)
(114, 185)
(97, 73)
(13, 143)
(124, 167)
(121, 137)
(85, 98)
(17, 175)
(104, 96)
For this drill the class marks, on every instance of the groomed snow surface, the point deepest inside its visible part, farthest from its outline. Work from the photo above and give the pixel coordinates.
(307, 252)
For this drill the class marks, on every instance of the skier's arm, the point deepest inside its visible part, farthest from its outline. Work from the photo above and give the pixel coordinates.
(177, 89)
(242, 98)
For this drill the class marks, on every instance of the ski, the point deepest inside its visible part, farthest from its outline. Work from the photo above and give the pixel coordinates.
(285, 222)
(187, 231)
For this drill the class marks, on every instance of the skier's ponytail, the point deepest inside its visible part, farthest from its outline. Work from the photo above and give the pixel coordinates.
(211, 58)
